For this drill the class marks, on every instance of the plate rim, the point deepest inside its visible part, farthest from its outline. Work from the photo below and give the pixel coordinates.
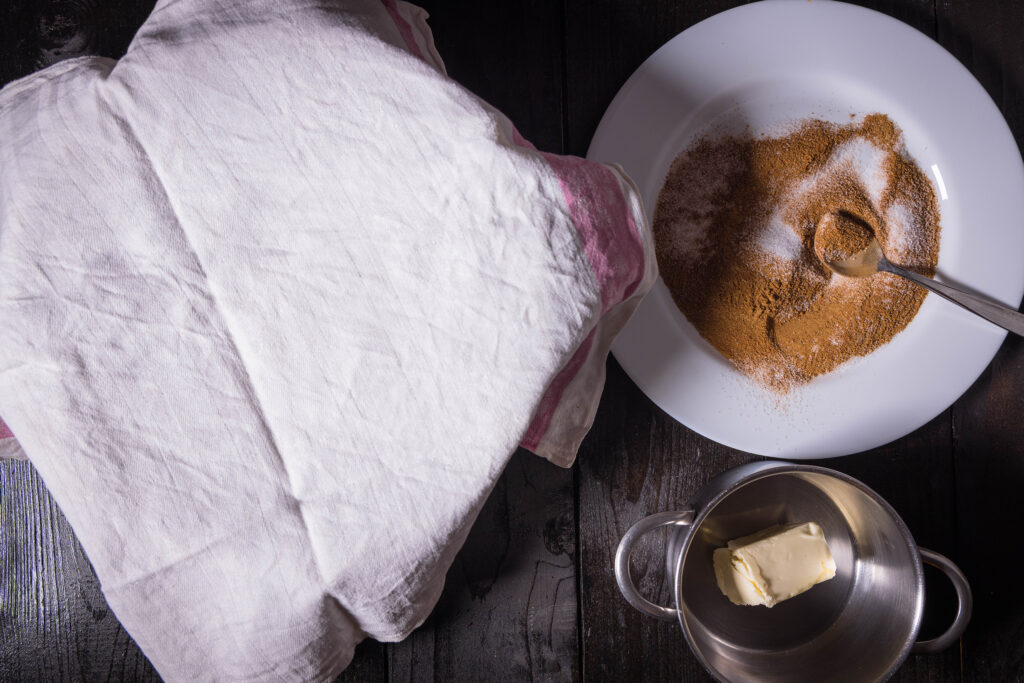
(980, 97)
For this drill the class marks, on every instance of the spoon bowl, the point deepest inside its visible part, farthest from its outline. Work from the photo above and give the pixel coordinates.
(872, 260)
(861, 264)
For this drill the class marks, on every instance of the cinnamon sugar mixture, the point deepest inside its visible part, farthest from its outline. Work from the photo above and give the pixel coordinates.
(734, 233)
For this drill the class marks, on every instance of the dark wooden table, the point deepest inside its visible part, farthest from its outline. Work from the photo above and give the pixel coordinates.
(532, 595)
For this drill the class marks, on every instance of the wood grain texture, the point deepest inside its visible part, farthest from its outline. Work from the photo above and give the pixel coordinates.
(510, 55)
(37, 33)
(989, 450)
(987, 421)
(605, 42)
(54, 622)
(508, 612)
(636, 461)
(532, 595)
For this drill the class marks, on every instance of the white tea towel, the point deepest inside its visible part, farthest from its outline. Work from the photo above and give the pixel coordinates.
(278, 300)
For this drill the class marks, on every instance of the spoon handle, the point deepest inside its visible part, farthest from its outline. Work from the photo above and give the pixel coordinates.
(1001, 315)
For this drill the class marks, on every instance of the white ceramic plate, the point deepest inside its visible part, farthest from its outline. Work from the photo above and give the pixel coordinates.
(773, 62)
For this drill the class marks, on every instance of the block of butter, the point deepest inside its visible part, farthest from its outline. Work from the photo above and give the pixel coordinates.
(775, 564)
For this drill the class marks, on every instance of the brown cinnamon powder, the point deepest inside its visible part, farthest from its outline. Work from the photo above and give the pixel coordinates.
(840, 236)
(734, 232)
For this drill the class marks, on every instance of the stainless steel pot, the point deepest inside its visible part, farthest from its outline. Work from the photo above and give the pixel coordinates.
(859, 626)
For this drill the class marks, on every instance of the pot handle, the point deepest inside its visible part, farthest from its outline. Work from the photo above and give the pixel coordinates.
(622, 555)
(963, 595)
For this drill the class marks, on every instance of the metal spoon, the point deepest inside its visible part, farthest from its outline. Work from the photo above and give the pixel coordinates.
(871, 260)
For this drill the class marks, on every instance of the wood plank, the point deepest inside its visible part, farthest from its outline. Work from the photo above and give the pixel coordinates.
(990, 475)
(508, 612)
(36, 34)
(606, 40)
(636, 461)
(56, 624)
(509, 54)
(988, 430)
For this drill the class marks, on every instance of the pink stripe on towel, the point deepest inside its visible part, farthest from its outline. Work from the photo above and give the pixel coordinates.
(605, 224)
(5, 431)
(553, 395)
(598, 209)
(403, 27)
(613, 246)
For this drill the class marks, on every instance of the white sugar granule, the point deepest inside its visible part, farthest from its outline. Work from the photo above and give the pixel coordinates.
(868, 161)
(902, 234)
(779, 239)
(861, 157)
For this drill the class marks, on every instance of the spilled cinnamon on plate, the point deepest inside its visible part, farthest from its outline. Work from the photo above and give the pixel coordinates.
(734, 232)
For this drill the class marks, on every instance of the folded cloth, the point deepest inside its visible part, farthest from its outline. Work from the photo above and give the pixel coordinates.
(278, 300)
